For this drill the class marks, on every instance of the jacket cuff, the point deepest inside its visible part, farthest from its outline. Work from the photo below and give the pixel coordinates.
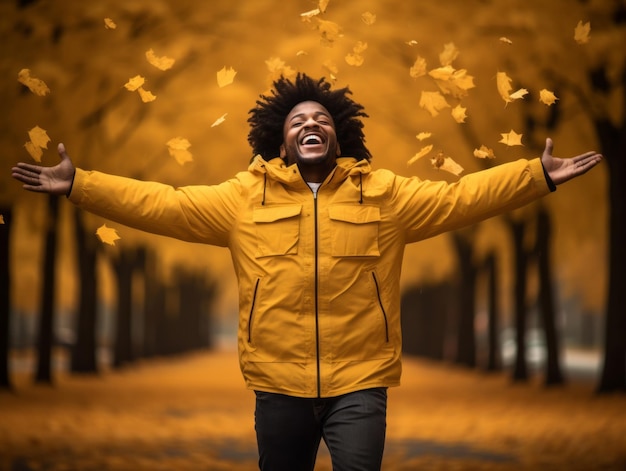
(549, 181)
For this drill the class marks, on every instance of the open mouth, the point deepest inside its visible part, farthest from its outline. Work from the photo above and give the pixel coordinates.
(311, 140)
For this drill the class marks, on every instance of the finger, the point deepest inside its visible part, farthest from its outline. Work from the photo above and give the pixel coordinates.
(549, 146)
(28, 167)
(62, 151)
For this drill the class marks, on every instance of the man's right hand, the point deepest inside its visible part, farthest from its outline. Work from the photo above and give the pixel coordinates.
(55, 180)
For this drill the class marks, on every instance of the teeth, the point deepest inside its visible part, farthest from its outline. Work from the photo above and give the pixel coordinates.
(312, 139)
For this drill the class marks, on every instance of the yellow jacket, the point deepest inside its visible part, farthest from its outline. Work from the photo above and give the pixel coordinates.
(319, 278)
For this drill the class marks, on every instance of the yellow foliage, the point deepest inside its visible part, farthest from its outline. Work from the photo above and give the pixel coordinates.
(419, 68)
(162, 63)
(442, 162)
(178, 148)
(422, 152)
(484, 153)
(581, 32)
(459, 114)
(107, 235)
(433, 102)
(225, 76)
(511, 139)
(35, 85)
(134, 83)
(368, 18)
(109, 23)
(547, 97)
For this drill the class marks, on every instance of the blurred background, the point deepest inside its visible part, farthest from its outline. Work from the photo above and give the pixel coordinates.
(541, 288)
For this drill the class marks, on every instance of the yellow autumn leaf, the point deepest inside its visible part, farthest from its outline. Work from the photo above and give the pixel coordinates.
(39, 137)
(107, 235)
(419, 68)
(484, 153)
(225, 76)
(459, 114)
(329, 32)
(307, 15)
(301, 53)
(581, 32)
(422, 152)
(411, 42)
(162, 63)
(178, 148)
(355, 58)
(442, 73)
(423, 136)
(109, 23)
(451, 81)
(521, 93)
(368, 18)
(322, 5)
(547, 97)
(35, 151)
(511, 138)
(505, 40)
(219, 120)
(278, 67)
(449, 54)
(503, 82)
(442, 162)
(134, 83)
(146, 96)
(433, 102)
(35, 85)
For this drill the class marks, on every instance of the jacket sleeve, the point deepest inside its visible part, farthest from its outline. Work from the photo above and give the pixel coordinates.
(429, 208)
(203, 214)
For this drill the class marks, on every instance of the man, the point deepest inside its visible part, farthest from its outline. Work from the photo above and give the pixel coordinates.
(317, 239)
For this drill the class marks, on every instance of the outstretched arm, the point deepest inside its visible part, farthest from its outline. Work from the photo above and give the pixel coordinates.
(562, 170)
(55, 180)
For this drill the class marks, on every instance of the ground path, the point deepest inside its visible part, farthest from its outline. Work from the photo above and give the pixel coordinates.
(194, 413)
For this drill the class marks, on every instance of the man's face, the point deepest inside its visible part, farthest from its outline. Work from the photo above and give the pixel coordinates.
(309, 137)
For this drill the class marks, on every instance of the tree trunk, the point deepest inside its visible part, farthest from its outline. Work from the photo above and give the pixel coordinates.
(613, 377)
(84, 359)
(547, 309)
(45, 341)
(5, 297)
(493, 354)
(520, 368)
(123, 349)
(466, 335)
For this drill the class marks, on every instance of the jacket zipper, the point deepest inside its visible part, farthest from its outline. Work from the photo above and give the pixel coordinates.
(256, 287)
(382, 308)
(317, 327)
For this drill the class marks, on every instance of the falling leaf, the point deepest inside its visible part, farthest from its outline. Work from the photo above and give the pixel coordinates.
(433, 102)
(219, 120)
(301, 53)
(459, 114)
(521, 93)
(134, 83)
(307, 15)
(451, 81)
(422, 136)
(332, 68)
(39, 137)
(146, 96)
(109, 23)
(278, 67)
(329, 32)
(505, 40)
(35, 85)
(422, 152)
(107, 235)
(449, 53)
(412, 42)
(35, 151)
(581, 32)
(225, 76)
(419, 68)
(322, 5)
(177, 148)
(355, 58)
(547, 97)
(511, 139)
(368, 18)
(162, 63)
(484, 153)
(441, 162)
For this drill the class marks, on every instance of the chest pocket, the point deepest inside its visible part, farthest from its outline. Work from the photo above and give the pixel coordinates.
(354, 230)
(277, 230)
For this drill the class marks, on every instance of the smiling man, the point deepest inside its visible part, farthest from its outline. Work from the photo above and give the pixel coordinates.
(317, 239)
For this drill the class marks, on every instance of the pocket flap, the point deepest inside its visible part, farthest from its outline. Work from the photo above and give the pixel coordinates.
(360, 214)
(275, 213)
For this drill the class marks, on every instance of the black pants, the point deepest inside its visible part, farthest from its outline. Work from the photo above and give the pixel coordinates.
(289, 430)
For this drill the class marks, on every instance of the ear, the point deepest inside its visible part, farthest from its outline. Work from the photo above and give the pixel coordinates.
(283, 152)
(338, 150)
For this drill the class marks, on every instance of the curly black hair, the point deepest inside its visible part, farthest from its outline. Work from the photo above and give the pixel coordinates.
(268, 116)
